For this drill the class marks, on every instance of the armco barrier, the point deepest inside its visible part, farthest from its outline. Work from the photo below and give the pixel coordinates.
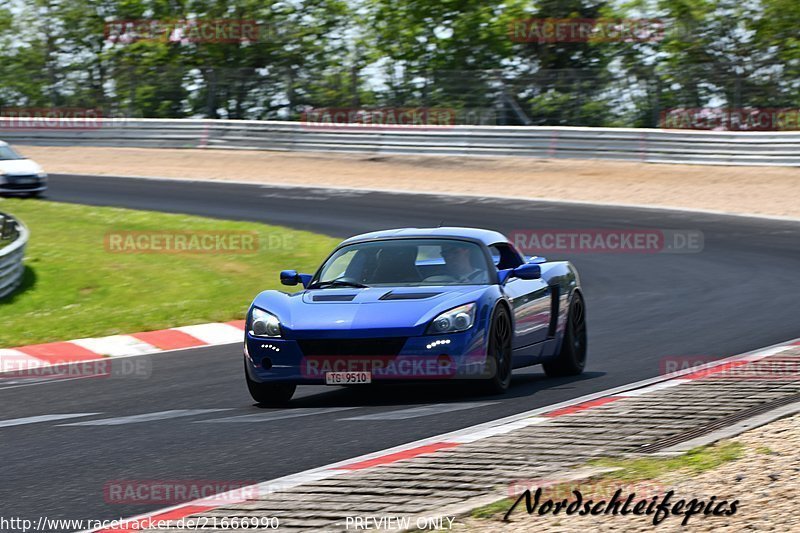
(638, 145)
(13, 238)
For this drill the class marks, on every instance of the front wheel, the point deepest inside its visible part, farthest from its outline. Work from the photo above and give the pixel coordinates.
(572, 358)
(499, 352)
(275, 394)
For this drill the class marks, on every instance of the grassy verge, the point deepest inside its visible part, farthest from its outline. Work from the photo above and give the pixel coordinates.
(75, 287)
(634, 470)
(692, 462)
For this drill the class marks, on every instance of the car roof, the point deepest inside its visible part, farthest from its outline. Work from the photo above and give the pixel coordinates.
(485, 236)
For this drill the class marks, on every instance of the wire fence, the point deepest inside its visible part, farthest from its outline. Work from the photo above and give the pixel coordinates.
(555, 97)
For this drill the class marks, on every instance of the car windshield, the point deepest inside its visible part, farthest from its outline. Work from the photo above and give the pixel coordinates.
(6, 153)
(405, 262)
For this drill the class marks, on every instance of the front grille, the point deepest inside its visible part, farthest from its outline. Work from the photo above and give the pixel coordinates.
(20, 186)
(389, 346)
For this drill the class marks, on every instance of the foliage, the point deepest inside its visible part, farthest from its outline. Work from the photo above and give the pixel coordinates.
(460, 54)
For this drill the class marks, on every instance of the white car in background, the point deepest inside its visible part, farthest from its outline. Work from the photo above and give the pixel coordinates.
(20, 175)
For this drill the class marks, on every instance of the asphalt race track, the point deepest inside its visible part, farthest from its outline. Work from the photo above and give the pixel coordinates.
(740, 293)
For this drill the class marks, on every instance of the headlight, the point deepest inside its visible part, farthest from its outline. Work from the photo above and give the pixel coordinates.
(41, 175)
(459, 319)
(263, 324)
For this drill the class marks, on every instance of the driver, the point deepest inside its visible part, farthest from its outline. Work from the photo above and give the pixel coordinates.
(458, 258)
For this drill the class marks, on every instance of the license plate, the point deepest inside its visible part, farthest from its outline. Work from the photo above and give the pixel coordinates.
(347, 378)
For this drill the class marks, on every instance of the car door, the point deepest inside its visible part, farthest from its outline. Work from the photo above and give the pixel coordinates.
(530, 299)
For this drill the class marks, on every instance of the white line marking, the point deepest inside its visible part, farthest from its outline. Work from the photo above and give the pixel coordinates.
(16, 361)
(757, 356)
(41, 418)
(499, 430)
(275, 415)
(116, 345)
(425, 410)
(653, 388)
(65, 365)
(214, 333)
(146, 417)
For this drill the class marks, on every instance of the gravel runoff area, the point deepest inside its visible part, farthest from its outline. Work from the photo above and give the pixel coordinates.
(756, 190)
(764, 478)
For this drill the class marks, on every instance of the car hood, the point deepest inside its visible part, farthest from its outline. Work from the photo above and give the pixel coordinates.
(19, 167)
(370, 312)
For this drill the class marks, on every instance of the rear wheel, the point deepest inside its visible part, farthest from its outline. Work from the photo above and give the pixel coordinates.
(499, 352)
(269, 393)
(572, 358)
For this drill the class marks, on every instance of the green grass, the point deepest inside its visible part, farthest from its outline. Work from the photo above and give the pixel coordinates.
(692, 462)
(74, 287)
(492, 510)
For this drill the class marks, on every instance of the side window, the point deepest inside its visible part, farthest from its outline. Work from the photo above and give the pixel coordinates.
(505, 256)
(495, 255)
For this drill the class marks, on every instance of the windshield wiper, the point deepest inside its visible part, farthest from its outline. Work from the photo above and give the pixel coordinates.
(338, 283)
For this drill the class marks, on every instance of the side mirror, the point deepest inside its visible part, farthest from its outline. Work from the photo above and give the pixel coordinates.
(524, 271)
(291, 277)
(527, 271)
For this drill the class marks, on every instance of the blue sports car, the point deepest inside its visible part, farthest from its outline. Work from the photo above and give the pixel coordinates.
(416, 304)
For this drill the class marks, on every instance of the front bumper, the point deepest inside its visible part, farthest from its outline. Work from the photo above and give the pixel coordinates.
(22, 184)
(422, 358)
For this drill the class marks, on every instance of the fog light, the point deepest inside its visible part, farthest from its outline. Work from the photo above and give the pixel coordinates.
(266, 363)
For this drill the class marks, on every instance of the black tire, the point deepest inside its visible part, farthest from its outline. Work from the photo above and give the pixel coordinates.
(499, 352)
(571, 360)
(273, 394)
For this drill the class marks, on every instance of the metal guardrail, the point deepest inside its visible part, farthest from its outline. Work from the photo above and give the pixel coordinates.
(638, 145)
(13, 238)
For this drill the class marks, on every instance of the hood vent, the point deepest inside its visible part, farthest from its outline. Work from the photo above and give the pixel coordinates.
(408, 295)
(334, 297)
